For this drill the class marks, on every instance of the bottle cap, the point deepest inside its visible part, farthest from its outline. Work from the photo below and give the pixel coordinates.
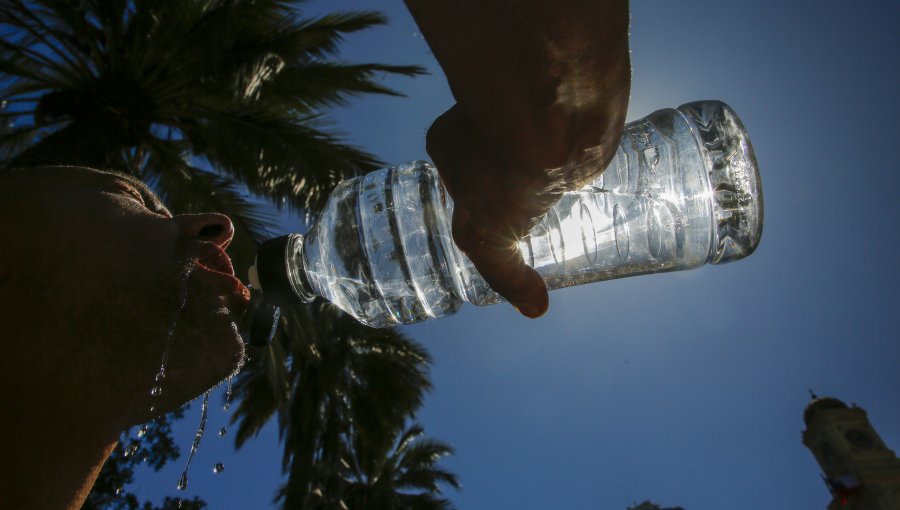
(272, 271)
(733, 176)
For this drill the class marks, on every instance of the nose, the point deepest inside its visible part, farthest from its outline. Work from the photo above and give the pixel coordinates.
(213, 227)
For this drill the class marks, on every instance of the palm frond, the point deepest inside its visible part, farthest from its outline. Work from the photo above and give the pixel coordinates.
(38, 20)
(11, 67)
(280, 157)
(15, 140)
(320, 37)
(323, 84)
(407, 477)
(220, 105)
(260, 392)
(411, 434)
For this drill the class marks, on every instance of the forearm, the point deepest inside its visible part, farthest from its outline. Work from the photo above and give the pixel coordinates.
(545, 83)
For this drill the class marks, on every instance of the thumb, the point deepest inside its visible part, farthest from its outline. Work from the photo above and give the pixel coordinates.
(499, 262)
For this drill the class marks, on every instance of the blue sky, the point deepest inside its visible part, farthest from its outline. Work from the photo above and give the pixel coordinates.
(684, 388)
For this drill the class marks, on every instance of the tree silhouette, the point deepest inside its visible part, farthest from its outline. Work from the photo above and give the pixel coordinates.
(206, 100)
(406, 477)
(340, 392)
(152, 446)
(201, 98)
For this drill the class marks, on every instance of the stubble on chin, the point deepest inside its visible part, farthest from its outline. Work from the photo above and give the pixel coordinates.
(209, 347)
(204, 349)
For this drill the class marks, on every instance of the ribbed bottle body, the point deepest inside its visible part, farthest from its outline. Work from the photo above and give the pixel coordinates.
(682, 189)
(650, 211)
(382, 251)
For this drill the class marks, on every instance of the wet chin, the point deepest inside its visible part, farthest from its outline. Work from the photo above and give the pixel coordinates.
(209, 349)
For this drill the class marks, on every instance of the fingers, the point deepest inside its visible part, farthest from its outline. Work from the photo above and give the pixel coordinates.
(495, 203)
(500, 263)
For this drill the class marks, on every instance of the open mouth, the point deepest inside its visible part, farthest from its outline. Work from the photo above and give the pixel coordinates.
(215, 260)
(217, 272)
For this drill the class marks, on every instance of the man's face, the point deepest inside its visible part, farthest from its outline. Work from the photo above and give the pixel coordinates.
(101, 268)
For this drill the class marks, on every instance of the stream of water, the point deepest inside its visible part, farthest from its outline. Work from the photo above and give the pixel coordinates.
(160, 377)
(183, 481)
(183, 276)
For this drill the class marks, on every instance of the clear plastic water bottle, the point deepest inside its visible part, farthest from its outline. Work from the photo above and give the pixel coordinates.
(682, 190)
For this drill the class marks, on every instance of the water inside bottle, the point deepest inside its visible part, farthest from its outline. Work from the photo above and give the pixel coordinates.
(382, 249)
(648, 212)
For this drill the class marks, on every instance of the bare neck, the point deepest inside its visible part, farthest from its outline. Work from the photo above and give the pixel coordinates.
(50, 458)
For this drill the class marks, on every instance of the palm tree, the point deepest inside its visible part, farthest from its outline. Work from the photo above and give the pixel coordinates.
(337, 388)
(406, 478)
(206, 100)
(201, 98)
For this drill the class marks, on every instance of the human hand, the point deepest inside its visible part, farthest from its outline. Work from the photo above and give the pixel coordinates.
(498, 198)
(542, 89)
(495, 204)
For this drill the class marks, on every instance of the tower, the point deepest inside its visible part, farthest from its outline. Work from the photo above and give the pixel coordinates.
(861, 472)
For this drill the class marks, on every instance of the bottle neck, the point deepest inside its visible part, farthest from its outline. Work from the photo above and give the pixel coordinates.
(280, 271)
(295, 265)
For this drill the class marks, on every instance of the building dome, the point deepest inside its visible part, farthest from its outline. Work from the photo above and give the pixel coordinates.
(821, 404)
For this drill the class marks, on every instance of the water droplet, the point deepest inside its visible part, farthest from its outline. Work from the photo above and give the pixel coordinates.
(145, 458)
(161, 375)
(228, 394)
(218, 468)
(180, 503)
(142, 431)
(182, 482)
(119, 490)
(152, 409)
(222, 431)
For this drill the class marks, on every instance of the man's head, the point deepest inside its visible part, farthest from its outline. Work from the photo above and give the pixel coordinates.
(91, 267)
